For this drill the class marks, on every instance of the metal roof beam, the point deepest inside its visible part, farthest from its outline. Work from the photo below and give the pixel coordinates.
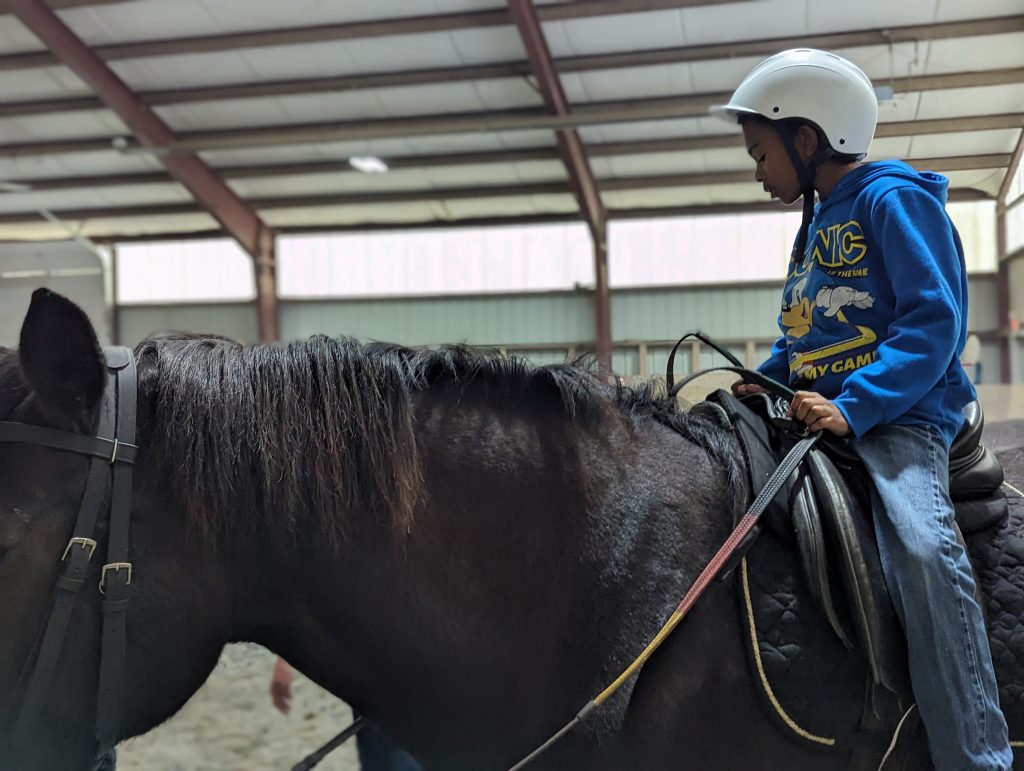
(348, 31)
(574, 157)
(208, 189)
(570, 146)
(414, 196)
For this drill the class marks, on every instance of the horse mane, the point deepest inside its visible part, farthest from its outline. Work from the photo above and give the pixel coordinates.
(318, 430)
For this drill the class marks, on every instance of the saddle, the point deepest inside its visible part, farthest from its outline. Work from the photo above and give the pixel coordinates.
(824, 513)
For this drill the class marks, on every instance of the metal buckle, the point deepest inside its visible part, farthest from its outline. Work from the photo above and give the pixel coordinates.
(115, 566)
(85, 543)
(113, 452)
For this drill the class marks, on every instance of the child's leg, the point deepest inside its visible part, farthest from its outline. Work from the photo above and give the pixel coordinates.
(930, 580)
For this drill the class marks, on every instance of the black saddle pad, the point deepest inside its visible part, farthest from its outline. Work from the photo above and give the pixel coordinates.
(813, 686)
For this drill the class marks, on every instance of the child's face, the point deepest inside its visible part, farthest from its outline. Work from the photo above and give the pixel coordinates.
(774, 170)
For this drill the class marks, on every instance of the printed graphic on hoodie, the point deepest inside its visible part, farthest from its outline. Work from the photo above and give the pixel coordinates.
(834, 251)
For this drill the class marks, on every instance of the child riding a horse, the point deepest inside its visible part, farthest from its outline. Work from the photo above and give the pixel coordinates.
(873, 322)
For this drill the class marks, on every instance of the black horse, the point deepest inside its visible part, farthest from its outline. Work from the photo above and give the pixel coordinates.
(464, 548)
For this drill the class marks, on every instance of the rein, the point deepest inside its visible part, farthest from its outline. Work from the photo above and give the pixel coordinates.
(112, 454)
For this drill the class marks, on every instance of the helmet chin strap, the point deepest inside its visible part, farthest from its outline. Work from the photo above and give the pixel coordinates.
(805, 173)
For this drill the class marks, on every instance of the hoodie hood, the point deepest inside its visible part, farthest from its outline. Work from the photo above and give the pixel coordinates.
(890, 174)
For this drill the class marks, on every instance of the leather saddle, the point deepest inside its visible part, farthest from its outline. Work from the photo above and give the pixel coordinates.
(824, 511)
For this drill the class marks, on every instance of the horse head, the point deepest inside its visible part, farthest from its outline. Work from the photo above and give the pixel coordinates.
(52, 391)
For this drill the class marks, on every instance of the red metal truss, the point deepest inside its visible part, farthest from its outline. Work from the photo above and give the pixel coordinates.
(234, 215)
(574, 156)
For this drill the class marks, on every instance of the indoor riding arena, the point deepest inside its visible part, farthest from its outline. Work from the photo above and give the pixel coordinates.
(346, 411)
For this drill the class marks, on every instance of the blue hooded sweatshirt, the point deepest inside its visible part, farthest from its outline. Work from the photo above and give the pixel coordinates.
(874, 313)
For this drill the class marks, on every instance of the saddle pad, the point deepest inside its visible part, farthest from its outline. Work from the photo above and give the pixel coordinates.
(998, 558)
(810, 682)
(813, 686)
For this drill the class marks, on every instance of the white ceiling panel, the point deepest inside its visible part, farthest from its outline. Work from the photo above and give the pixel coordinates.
(954, 10)
(15, 37)
(478, 141)
(963, 143)
(655, 129)
(901, 107)
(347, 106)
(70, 125)
(159, 19)
(191, 71)
(630, 83)
(622, 32)
(511, 206)
(341, 216)
(42, 83)
(328, 152)
(747, 21)
(982, 100)
(977, 53)
(27, 167)
(889, 147)
(498, 44)
(94, 198)
(102, 226)
(867, 14)
(987, 180)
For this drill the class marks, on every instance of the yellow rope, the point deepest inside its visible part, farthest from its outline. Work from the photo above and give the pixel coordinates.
(1011, 487)
(792, 724)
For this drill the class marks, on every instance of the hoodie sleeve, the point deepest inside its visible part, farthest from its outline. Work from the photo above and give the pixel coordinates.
(919, 251)
(776, 366)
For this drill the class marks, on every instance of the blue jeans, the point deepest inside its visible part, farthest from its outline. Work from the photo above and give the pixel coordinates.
(378, 753)
(930, 580)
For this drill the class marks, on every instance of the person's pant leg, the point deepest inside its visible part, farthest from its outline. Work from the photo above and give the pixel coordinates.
(929, 577)
(378, 753)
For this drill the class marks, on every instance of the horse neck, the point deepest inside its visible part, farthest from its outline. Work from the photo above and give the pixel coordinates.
(526, 573)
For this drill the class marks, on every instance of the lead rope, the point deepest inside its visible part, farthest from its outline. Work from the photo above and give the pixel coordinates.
(707, 575)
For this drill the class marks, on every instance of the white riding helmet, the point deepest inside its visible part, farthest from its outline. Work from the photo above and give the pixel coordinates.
(825, 89)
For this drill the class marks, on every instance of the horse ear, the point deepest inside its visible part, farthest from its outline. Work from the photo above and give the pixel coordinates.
(61, 357)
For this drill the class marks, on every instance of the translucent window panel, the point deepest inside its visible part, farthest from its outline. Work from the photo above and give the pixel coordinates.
(183, 272)
(976, 223)
(702, 249)
(436, 262)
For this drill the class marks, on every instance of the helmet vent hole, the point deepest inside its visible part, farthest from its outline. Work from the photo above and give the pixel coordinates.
(842, 141)
(775, 109)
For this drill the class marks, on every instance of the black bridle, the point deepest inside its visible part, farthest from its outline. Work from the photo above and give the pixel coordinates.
(112, 457)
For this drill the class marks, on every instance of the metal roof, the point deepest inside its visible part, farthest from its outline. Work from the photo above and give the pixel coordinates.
(276, 97)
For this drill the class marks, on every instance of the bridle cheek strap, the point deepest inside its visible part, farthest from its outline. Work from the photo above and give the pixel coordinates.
(112, 455)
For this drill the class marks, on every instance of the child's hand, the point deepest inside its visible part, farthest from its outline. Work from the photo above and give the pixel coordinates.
(818, 413)
(739, 388)
(281, 686)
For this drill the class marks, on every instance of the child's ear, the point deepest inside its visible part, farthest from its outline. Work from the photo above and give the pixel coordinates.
(806, 142)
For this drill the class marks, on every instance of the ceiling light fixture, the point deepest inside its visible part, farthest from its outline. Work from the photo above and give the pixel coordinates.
(368, 164)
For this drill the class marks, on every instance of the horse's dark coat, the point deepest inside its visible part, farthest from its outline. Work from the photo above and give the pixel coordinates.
(465, 548)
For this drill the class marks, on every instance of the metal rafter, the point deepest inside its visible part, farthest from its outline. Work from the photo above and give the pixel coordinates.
(574, 156)
(241, 222)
